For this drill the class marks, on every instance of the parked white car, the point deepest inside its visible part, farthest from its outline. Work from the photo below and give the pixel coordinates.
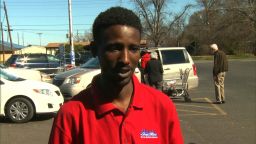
(21, 99)
(175, 59)
(30, 74)
(74, 81)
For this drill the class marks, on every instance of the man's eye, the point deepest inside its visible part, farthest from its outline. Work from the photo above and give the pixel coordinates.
(134, 48)
(113, 48)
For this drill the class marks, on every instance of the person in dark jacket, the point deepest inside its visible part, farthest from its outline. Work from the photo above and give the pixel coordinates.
(220, 68)
(154, 71)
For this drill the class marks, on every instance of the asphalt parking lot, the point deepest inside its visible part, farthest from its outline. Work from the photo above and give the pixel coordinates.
(202, 121)
(233, 122)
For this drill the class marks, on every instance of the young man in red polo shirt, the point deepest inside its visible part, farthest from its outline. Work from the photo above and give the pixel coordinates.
(116, 108)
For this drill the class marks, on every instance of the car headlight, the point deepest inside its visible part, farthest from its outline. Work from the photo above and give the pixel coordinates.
(74, 80)
(44, 91)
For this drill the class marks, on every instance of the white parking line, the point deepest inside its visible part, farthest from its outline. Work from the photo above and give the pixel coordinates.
(195, 112)
(207, 107)
(216, 107)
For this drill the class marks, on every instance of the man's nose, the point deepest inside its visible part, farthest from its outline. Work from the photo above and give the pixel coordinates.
(125, 56)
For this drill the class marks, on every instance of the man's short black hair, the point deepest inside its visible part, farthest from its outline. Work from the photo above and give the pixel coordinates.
(115, 16)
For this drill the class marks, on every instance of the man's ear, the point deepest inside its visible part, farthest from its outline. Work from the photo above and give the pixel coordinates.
(94, 49)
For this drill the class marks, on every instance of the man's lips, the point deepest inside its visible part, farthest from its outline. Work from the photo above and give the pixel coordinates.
(124, 72)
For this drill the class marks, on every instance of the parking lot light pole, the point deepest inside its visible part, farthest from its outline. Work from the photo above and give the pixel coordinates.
(72, 53)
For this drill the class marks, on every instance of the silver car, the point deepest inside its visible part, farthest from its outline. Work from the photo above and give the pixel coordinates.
(74, 81)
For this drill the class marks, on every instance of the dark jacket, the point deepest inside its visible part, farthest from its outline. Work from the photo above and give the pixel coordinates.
(220, 62)
(154, 70)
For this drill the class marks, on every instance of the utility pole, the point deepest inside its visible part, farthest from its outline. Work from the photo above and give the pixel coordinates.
(9, 31)
(71, 42)
(3, 42)
(77, 36)
(23, 39)
(120, 2)
(40, 34)
(18, 37)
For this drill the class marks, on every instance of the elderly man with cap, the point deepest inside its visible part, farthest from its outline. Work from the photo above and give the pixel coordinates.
(220, 68)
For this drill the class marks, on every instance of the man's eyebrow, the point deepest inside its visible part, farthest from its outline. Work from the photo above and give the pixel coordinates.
(135, 45)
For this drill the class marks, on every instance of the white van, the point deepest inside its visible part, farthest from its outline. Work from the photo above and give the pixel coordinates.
(174, 59)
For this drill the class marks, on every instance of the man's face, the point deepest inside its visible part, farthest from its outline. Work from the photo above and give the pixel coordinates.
(119, 53)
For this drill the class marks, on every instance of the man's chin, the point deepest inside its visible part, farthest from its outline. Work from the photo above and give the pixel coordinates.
(119, 80)
(122, 82)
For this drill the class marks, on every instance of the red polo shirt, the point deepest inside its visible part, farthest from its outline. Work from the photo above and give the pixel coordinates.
(151, 118)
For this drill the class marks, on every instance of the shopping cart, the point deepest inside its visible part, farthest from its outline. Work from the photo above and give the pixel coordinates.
(178, 87)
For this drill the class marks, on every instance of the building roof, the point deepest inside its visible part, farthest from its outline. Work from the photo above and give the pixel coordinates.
(53, 45)
(7, 46)
(56, 45)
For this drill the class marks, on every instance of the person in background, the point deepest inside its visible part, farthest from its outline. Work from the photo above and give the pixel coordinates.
(220, 67)
(154, 71)
(116, 108)
(144, 59)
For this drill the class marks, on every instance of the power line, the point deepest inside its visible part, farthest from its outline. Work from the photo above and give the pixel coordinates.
(17, 29)
(54, 7)
(58, 4)
(49, 16)
(59, 1)
(50, 25)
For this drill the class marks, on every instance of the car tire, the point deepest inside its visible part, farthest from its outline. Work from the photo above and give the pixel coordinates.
(20, 110)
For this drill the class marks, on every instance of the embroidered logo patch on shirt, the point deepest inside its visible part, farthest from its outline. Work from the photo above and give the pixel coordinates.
(148, 134)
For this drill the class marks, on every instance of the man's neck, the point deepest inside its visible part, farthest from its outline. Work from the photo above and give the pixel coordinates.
(123, 100)
(120, 96)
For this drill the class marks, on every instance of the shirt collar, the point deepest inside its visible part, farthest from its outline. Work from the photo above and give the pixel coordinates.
(104, 107)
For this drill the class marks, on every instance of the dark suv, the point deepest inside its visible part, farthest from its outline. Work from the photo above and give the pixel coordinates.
(43, 62)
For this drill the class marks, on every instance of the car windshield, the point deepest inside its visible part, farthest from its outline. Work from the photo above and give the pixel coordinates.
(92, 63)
(8, 76)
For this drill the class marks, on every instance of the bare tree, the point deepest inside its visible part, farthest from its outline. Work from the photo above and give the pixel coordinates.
(230, 23)
(157, 21)
(247, 8)
(79, 37)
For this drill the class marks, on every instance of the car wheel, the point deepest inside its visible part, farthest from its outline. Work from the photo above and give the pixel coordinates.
(19, 110)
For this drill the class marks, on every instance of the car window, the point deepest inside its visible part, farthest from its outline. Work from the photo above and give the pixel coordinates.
(32, 59)
(11, 60)
(37, 59)
(22, 59)
(8, 76)
(174, 56)
(85, 56)
(52, 59)
(91, 63)
(68, 60)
